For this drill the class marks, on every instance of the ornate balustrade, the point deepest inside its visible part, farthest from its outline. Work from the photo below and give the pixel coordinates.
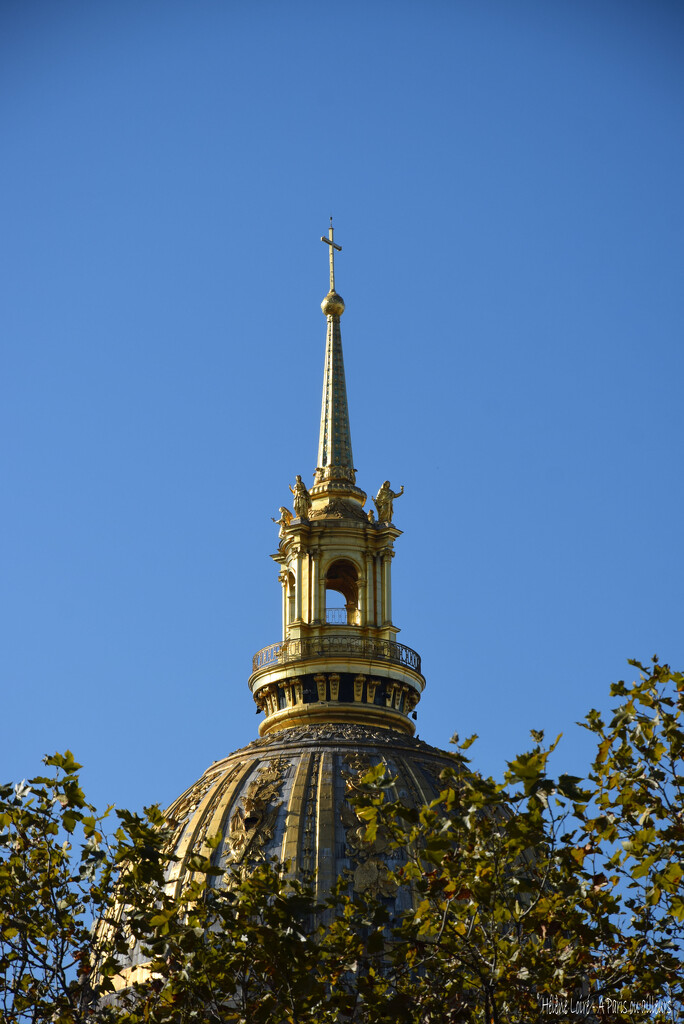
(326, 646)
(336, 616)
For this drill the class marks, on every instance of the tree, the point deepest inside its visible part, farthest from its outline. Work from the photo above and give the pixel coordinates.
(532, 897)
(541, 897)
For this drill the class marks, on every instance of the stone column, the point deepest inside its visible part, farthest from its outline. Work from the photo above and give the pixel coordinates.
(299, 585)
(369, 606)
(321, 594)
(283, 579)
(388, 598)
(377, 583)
(386, 587)
(313, 586)
(362, 616)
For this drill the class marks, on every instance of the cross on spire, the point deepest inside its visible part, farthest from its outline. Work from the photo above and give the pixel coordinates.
(333, 245)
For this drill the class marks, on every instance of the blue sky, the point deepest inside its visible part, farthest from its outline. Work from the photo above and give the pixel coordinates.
(506, 181)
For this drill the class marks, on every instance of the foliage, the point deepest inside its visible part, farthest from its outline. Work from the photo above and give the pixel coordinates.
(542, 897)
(531, 897)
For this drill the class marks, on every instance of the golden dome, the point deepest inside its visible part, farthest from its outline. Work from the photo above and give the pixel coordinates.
(285, 796)
(337, 692)
(333, 304)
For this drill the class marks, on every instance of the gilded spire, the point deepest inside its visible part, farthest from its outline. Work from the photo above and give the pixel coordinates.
(338, 660)
(335, 461)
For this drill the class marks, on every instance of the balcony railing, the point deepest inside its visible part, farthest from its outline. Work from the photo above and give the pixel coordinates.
(336, 616)
(307, 648)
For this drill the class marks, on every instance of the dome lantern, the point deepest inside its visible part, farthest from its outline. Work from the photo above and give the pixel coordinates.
(338, 659)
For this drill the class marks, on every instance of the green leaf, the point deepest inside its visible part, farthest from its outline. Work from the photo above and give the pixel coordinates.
(70, 819)
(468, 742)
(374, 775)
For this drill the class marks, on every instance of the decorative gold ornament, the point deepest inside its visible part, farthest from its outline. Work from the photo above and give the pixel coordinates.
(333, 304)
(252, 825)
(338, 508)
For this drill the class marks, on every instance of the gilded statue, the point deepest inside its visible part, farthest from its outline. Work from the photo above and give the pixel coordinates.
(302, 499)
(384, 501)
(285, 520)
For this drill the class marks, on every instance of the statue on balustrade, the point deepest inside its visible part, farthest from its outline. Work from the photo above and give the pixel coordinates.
(302, 498)
(285, 520)
(384, 502)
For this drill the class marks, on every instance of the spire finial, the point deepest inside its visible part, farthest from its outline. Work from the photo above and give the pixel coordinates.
(333, 245)
(332, 304)
(335, 462)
